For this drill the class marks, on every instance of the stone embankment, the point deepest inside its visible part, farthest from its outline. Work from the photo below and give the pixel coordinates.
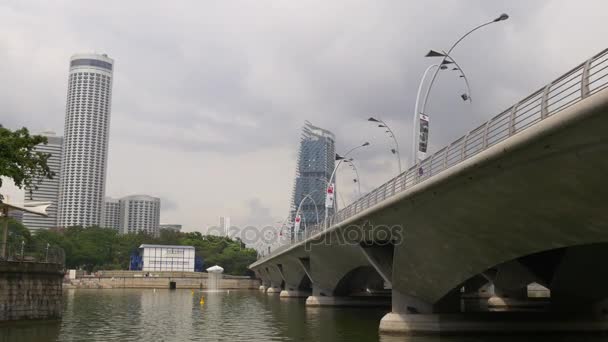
(157, 280)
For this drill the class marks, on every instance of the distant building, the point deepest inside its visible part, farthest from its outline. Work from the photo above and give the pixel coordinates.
(16, 215)
(111, 214)
(48, 189)
(316, 161)
(139, 213)
(167, 258)
(175, 227)
(82, 181)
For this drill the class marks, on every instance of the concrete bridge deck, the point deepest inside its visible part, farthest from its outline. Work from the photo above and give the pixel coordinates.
(521, 199)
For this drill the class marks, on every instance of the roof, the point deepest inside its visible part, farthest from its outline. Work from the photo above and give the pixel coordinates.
(165, 246)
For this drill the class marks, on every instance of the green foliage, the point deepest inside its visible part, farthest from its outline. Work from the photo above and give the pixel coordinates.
(97, 248)
(19, 161)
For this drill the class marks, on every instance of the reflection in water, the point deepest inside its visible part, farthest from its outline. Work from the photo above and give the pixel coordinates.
(165, 315)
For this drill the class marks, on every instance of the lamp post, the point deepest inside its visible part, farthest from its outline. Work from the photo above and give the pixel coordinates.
(307, 196)
(447, 60)
(331, 178)
(417, 112)
(395, 150)
(357, 180)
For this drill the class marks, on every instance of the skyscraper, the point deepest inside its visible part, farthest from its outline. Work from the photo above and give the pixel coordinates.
(111, 214)
(139, 213)
(48, 189)
(85, 145)
(316, 161)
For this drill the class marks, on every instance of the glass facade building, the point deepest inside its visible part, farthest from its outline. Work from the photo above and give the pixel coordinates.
(316, 161)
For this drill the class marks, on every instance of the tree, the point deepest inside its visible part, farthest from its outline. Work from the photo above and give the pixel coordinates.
(19, 161)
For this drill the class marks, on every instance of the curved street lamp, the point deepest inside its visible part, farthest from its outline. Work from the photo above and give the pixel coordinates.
(395, 150)
(356, 180)
(466, 96)
(307, 196)
(447, 60)
(333, 174)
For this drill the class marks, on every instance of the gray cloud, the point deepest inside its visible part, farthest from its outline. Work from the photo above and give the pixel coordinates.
(209, 97)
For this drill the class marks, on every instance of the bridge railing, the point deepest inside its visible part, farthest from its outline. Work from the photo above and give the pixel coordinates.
(582, 81)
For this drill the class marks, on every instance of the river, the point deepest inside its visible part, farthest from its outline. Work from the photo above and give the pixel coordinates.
(165, 315)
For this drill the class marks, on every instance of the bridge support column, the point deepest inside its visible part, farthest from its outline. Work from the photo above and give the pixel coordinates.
(273, 290)
(510, 284)
(294, 294)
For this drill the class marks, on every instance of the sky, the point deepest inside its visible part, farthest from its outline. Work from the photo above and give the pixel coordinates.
(209, 97)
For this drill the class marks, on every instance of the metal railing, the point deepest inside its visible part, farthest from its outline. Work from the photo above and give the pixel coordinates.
(582, 81)
(40, 253)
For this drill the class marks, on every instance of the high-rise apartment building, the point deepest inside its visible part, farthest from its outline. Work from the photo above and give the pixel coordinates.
(111, 214)
(85, 144)
(47, 189)
(170, 226)
(139, 213)
(316, 161)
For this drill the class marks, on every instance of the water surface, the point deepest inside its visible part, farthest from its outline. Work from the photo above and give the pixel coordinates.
(164, 315)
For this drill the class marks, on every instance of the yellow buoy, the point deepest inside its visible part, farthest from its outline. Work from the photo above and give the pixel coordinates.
(202, 301)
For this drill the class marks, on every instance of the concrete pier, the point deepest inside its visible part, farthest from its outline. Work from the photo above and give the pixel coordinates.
(30, 290)
(371, 301)
(502, 322)
(273, 290)
(294, 294)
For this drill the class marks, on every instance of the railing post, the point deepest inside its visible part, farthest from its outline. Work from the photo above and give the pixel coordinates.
(512, 119)
(585, 79)
(464, 147)
(484, 143)
(544, 102)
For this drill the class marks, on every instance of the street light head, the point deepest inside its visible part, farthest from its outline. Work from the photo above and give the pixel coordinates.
(339, 157)
(462, 76)
(393, 150)
(502, 17)
(373, 119)
(433, 53)
(381, 126)
(443, 67)
(365, 144)
(455, 69)
(464, 97)
(446, 62)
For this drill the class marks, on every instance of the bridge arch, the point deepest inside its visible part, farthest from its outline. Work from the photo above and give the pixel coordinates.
(358, 281)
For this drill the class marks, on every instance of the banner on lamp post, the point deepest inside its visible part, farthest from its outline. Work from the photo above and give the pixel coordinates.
(296, 223)
(423, 139)
(329, 198)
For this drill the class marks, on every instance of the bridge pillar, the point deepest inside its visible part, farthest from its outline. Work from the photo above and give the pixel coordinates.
(276, 281)
(510, 282)
(342, 275)
(297, 281)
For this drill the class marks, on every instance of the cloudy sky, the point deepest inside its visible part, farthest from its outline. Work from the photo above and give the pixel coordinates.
(209, 96)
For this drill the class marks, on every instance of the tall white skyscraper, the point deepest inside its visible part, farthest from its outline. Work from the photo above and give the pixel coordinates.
(111, 214)
(139, 213)
(48, 189)
(85, 144)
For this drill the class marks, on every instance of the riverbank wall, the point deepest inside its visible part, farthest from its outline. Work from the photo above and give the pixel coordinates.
(158, 280)
(30, 290)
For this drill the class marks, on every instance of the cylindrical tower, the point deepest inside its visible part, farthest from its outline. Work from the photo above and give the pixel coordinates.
(85, 145)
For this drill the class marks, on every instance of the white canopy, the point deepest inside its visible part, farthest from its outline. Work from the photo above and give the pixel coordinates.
(215, 269)
(38, 208)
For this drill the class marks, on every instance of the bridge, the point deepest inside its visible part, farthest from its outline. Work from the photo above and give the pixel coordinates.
(454, 243)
